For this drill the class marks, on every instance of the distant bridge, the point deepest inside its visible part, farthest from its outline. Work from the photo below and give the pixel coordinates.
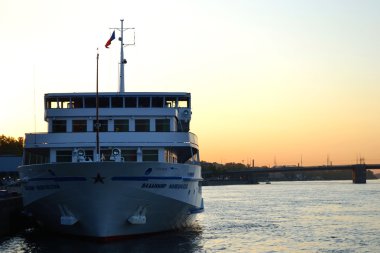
(359, 171)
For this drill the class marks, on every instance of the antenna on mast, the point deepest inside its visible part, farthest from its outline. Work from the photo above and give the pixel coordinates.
(123, 61)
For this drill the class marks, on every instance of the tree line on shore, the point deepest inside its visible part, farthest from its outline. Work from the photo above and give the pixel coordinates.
(215, 169)
(11, 145)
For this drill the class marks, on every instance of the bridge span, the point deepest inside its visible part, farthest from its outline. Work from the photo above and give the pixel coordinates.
(359, 171)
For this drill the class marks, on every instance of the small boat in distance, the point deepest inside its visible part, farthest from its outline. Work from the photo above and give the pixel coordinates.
(113, 163)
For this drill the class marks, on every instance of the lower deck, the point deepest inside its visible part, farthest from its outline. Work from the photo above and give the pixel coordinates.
(171, 147)
(130, 154)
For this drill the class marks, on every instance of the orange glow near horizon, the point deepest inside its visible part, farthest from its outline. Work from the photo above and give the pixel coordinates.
(272, 81)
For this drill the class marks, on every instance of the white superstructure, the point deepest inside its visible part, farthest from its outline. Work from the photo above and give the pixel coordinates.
(144, 177)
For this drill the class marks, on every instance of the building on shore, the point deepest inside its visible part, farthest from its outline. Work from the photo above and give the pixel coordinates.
(8, 167)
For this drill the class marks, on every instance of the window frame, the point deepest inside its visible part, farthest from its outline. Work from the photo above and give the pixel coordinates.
(162, 125)
(138, 124)
(59, 128)
(117, 122)
(82, 127)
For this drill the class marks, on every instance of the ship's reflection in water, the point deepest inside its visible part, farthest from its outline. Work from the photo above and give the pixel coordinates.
(35, 240)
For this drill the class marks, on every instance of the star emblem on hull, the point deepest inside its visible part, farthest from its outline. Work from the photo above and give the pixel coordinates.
(98, 179)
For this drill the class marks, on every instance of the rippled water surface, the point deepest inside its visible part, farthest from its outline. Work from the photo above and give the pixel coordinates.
(334, 216)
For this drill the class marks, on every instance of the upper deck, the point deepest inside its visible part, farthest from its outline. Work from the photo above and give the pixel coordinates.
(73, 112)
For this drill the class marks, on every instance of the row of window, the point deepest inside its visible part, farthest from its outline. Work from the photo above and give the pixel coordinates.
(169, 155)
(42, 155)
(120, 125)
(116, 102)
(129, 155)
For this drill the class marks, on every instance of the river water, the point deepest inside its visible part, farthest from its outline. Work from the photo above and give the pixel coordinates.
(318, 216)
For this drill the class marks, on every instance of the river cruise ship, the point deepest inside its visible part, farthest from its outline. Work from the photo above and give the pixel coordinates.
(113, 164)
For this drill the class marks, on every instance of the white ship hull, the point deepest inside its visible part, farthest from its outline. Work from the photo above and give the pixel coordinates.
(112, 199)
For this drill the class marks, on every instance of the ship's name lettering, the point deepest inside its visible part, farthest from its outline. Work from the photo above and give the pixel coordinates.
(41, 187)
(160, 186)
(178, 186)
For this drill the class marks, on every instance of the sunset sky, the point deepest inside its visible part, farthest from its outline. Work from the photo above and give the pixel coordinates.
(271, 80)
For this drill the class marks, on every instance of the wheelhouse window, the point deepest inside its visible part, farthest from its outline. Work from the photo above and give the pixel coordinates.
(59, 126)
(121, 125)
(79, 125)
(157, 102)
(77, 102)
(183, 102)
(170, 102)
(162, 125)
(130, 155)
(117, 102)
(104, 102)
(64, 102)
(144, 102)
(51, 103)
(150, 155)
(89, 102)
(130, 102)
(142, 125)
(103, 125)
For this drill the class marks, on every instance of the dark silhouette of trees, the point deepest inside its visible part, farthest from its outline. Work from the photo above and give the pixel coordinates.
(211, 170)
(11, 145)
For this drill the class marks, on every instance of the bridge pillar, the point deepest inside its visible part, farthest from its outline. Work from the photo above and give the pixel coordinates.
(359, 174)
(252, 179)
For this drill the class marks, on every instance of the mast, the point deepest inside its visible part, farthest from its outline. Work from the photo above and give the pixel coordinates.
(123, 61)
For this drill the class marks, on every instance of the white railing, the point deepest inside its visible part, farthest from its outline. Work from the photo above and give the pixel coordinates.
(114, 139)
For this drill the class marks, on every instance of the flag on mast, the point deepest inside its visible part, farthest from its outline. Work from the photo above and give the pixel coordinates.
(111, 39)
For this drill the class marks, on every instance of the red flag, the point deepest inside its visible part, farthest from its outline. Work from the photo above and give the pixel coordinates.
(111, 39)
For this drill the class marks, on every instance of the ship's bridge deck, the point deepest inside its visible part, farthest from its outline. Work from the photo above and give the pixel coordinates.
(118, 100)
